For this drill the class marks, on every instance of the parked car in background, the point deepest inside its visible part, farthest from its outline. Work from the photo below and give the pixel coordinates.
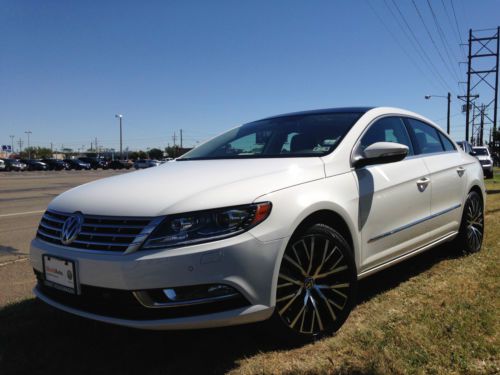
(484, 156)
(466, 147)
(145, 163)
(77, 164)
(34, 165)
(2, 165)
(14, 165)
(95, 163)
(278, 218)
(120, 164)
(55, 164)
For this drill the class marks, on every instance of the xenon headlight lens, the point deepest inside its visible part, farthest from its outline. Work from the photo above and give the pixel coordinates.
(204, 226)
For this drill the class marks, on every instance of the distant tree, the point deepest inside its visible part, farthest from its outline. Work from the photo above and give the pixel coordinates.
(155, 153)
(37, 153)
(134, 155)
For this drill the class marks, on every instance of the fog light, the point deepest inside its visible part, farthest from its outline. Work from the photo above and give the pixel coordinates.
(186, 295)
(198, 292)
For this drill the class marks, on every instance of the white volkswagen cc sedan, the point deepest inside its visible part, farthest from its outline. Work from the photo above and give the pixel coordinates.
(278, 218)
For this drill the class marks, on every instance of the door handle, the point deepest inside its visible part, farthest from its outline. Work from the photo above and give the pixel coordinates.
(460, 171)
(422, 183)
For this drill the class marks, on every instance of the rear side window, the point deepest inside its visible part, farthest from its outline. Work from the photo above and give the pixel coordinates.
(427, 138)
(448, 146)
(387, 129)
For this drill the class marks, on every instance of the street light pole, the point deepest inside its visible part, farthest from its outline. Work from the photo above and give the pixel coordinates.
(11, 143)
(29, 150)
(119, 116)
(448, 97)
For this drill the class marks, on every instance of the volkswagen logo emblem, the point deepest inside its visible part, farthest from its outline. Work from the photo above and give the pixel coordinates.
(71, 228)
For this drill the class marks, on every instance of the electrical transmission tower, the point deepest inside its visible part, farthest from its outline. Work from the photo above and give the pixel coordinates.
(482, 75)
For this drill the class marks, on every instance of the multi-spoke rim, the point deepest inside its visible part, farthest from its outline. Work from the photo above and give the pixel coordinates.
(313, 284)
(475, 223)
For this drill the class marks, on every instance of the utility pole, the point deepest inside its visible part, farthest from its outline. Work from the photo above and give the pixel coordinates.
(481, 132)
(181, 137)
(11, 143)
(448, 123)
(29, 150)
(20, 143)
(120, 117)
(482, 49)
(174, 138)
(96, 148)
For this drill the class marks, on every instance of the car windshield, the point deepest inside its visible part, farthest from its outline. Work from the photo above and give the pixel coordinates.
(481, 151)
(287, 136)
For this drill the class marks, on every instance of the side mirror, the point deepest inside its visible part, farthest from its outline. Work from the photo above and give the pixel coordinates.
(381, 153)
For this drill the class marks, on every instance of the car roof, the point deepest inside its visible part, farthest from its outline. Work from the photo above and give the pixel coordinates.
(360, 110)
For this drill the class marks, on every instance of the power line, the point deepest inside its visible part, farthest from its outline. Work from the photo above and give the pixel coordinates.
(411, 42)
(444, 40)
(431, 38)
(455, 31)
(435, 70)
(398, 43)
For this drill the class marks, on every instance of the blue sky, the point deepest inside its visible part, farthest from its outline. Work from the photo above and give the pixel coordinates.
(66, 67)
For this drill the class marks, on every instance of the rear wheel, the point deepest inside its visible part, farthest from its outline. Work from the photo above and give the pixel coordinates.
(470, 237)
(316, 284)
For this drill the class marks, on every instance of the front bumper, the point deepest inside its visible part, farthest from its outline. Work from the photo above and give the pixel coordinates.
(242, 262)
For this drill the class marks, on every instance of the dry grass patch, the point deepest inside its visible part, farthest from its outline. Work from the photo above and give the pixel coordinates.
(443, 320)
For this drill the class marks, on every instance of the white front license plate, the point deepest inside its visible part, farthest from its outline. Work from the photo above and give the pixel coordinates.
(59, 273)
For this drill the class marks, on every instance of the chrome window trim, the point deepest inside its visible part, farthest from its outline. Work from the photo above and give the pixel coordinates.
(402, 117)
(406, 226)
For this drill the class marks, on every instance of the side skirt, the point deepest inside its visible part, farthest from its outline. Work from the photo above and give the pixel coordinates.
(380, 267)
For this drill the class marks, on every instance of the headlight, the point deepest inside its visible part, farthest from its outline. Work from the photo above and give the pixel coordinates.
(203, 226)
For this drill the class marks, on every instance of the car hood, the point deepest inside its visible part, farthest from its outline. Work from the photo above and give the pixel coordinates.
(183, 186)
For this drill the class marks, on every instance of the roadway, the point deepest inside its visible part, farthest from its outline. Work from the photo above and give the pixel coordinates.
(24, 196)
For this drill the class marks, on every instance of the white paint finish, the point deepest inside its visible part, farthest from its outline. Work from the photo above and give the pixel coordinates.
(389, 198)
(184, 186)
(447, 186)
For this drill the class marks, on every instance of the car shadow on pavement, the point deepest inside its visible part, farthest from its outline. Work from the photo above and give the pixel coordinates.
(7, 250)
(35, 338)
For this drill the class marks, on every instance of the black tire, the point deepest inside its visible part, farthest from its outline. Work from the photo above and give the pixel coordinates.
(317, 284)
(489, 175)
(471, 234)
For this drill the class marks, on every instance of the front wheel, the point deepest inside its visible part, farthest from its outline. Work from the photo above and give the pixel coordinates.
(470, 236)
(316, 284)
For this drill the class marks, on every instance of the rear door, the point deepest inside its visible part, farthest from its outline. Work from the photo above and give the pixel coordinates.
(447, 175)
(393, 198)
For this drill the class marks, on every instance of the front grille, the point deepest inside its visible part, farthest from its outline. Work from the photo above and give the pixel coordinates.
(122, 304)
(484, 162)
(103, 233)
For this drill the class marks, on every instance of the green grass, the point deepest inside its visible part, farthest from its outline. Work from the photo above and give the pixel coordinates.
(436, 313)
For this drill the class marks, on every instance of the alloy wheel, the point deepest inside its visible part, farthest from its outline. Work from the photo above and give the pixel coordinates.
(314, 285)
(474, 222)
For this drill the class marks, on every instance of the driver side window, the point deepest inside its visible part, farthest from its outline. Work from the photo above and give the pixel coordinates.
(387, 129)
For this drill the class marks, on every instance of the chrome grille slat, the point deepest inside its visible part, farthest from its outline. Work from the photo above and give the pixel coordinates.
(125, 226)
(53, 219)
(117, 235)
(99, 233)
(47, 226)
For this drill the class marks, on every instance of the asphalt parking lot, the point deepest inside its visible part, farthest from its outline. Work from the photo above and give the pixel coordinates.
(24, 196)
